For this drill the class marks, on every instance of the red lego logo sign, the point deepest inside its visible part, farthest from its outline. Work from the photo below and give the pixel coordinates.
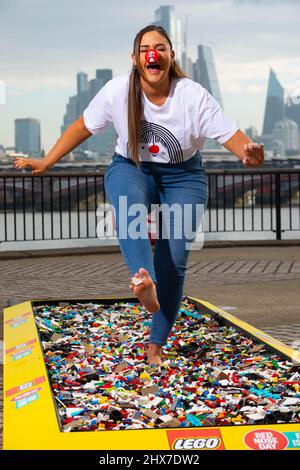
(265, 439)
(196, 439)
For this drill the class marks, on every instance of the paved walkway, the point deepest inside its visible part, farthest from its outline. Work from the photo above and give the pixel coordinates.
(260, 285)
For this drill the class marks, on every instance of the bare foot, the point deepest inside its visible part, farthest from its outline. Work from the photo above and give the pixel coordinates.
(154, 354)
(146, 291)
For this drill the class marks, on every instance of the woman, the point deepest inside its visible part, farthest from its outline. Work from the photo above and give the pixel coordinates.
(162, 119)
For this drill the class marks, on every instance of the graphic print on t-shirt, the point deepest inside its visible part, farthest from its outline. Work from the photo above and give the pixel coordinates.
(157, 141)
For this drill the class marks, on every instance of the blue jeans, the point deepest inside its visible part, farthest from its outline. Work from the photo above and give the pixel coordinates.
(158, 183)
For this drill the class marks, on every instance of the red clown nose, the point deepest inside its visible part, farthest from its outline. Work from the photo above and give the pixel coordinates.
(152, 56)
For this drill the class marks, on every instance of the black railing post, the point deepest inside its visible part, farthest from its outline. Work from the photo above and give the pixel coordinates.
(278, 205)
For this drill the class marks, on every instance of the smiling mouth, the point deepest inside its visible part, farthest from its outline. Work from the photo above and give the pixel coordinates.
(154, 66)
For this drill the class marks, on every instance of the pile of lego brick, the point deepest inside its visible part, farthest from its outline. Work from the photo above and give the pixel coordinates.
(212, 375)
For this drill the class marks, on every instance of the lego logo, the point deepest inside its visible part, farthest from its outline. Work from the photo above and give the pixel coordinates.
(198, 443)
(197, 439)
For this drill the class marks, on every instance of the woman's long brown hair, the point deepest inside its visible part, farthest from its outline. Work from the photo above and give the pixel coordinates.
(134, 92)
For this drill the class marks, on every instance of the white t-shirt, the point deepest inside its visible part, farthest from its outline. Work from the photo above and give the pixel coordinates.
(170, 133)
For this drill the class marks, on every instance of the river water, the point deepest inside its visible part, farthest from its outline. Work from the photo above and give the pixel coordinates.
(78, 229)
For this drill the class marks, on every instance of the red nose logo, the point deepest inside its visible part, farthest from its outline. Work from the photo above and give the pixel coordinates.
(152, 56)
(154, 149)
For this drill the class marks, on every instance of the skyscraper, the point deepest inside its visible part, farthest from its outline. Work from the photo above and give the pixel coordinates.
(104, 75)
(28, 136)
(274, 110)
(292, 111)
(204, 72)
(251, 132)
(82, 82)
(86, 90)
(165, 17)
(187, 65)
(82, 97)
(286, 137)
(102, 143)
(71, 112)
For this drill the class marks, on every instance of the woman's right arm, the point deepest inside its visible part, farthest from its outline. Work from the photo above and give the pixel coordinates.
(73, 136)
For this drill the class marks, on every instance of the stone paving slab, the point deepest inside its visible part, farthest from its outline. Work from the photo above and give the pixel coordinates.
(289, 335)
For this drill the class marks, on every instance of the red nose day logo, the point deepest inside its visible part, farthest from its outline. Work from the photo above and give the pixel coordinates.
(265, 439)
(152, 56)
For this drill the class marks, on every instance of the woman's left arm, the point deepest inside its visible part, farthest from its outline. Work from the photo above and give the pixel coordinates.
(251, 154)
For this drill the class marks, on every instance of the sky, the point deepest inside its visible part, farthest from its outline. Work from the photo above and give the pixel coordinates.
(44, 43)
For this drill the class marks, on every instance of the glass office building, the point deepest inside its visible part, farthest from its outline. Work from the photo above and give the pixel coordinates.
(274, 110)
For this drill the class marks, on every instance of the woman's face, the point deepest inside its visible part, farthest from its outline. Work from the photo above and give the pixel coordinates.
(158, 71)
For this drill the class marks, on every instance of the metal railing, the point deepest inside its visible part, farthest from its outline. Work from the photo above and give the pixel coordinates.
(64, 205)
(254, 201)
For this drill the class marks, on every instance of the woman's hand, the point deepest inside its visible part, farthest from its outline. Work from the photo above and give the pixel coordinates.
(254, 154)
(37, 166)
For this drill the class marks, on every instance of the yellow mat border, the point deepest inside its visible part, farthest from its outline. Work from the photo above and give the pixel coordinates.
(30, 421)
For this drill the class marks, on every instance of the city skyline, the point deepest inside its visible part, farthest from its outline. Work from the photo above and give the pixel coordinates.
(40, 76)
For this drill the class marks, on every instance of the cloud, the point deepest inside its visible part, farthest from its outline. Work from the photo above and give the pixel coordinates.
(17, 87)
